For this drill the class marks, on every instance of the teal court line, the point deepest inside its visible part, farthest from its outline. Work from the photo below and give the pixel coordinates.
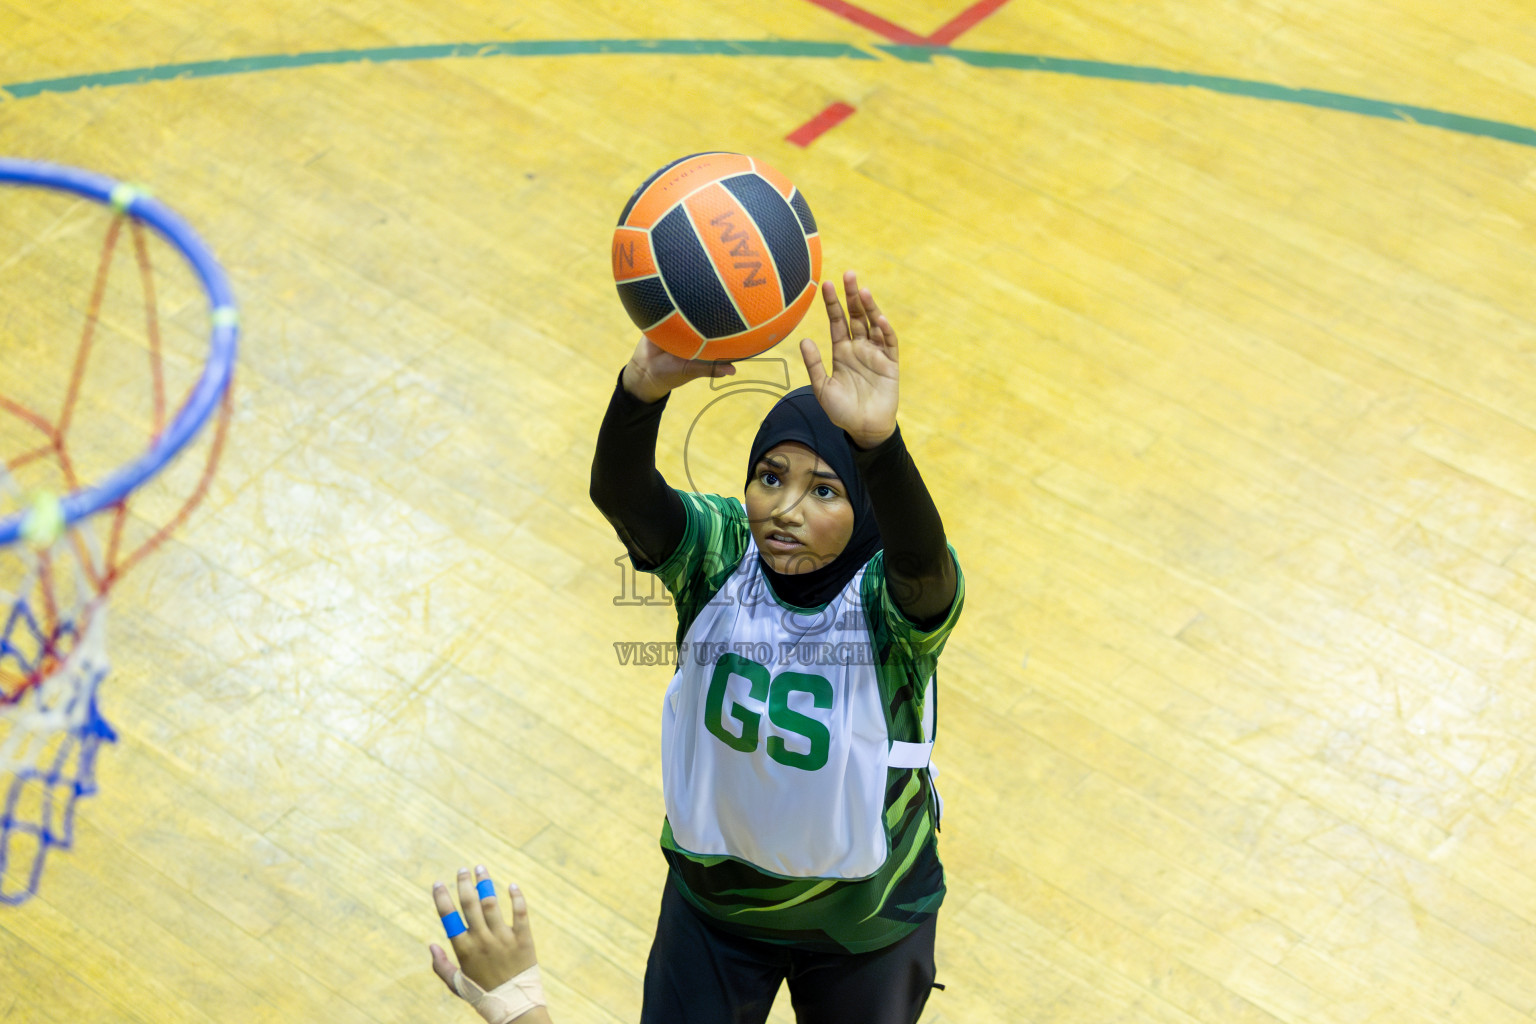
(1360, 105)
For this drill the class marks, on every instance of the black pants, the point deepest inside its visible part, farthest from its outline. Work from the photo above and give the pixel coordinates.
(698, 974)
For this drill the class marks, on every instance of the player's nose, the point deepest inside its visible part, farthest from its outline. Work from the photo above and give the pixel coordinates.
(787, 514)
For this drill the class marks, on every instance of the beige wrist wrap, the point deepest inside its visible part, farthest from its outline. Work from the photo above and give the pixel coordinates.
(507, 1001)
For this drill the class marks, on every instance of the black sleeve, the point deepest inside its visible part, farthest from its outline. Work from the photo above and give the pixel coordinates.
(917, 561)
(627, 488)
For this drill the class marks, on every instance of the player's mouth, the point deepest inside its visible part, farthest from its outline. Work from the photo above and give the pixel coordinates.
(777, 540)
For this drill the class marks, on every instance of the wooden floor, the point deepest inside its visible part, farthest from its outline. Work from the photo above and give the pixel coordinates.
(1228, 401)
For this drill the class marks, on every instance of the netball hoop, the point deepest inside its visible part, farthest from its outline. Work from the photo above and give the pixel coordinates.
(75, 383)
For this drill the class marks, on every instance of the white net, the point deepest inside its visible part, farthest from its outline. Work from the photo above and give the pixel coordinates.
(115, 375)
(52, 659)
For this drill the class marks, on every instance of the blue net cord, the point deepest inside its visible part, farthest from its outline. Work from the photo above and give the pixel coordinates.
(26, 648)
(39, 811)
(52, 649)
(52, 662)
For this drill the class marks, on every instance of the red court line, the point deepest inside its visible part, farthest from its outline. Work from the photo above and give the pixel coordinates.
(825, 121)
(859, 16)
(964, 22)
(943, 36)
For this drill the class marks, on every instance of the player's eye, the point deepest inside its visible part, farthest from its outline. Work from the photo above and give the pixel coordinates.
(768, 477)
(825, 492)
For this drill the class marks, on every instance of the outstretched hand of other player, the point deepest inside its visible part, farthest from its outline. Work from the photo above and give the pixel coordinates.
(490, 951)
(860, 393)
(652, 372)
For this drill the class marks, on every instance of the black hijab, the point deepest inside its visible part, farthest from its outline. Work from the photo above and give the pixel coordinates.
(799, 417)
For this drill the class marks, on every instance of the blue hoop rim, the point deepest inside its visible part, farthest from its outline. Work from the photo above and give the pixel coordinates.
(223, 342)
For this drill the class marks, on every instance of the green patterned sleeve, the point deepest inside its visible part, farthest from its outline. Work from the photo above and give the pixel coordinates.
(906, 657)
(896, 626)
(714, 539)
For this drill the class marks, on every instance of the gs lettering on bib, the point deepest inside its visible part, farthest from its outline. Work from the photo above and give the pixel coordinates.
(772, 756)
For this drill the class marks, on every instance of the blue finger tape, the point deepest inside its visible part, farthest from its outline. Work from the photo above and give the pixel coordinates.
(453, 924)
(486, 888)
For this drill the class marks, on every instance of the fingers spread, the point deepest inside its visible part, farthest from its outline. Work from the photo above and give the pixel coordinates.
(887, 335)
(877, 326)
(856, 313)
(442, 966)
(441, 900)
(522, 934)
(519, 911)
(469, 899)
(813, 366)
(489, 907)
(871, 312)
(835, 318)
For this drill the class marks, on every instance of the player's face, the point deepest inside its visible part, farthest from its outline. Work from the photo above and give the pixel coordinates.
(799, 510)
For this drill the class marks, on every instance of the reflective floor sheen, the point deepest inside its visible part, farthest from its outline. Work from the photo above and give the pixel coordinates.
(1220, 372)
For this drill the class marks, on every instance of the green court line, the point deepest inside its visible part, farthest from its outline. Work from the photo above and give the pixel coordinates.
(1342, 102)
(1231, 86)
(517, 48)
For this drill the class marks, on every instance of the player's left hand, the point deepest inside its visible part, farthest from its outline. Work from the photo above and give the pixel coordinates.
(491, 951)
(860, 393)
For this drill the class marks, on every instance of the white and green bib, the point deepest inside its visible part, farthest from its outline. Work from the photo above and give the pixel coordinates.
(775, 741)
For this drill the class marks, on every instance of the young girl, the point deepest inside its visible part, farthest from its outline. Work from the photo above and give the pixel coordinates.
(801, 818)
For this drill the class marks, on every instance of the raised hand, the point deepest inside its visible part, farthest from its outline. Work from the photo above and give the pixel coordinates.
(860, 394)
(491, 951)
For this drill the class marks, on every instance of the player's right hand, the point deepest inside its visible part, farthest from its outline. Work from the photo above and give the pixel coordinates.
(652, 372)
